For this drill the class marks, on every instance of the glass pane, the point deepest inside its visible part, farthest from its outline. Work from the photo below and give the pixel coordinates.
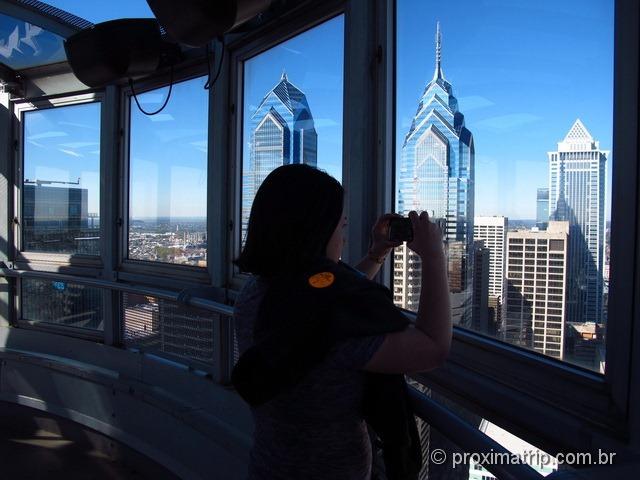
(168, 176)
(62, 303)
(61, 187)
(511, 147)
(23, 45)
(292, 109)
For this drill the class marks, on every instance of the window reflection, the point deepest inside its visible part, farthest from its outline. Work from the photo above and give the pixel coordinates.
(442, 458)
(168, 176)
(293, 107)
(61, 184)
(24, 45)
(516, 161)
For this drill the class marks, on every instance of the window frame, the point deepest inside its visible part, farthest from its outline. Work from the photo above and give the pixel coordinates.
(70, 263)
(50, 261)
(155, 273)
(481, 369)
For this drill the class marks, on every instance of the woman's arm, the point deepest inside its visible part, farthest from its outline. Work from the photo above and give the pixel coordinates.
(369, 266)
(425, 345)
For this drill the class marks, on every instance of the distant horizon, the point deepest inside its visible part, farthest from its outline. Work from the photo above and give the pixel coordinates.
(204, 218)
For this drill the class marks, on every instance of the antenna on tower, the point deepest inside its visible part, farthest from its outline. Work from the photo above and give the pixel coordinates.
(438, 46)
(437, 75)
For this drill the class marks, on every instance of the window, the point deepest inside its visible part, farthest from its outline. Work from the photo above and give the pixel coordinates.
(168, 176)
(61, 180)
(292, 108)
(475, 103)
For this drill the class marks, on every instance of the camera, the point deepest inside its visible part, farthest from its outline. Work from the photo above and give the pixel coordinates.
(402, 229)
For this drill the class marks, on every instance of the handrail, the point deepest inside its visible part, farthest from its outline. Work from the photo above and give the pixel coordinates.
(164, 294)
(470, 439)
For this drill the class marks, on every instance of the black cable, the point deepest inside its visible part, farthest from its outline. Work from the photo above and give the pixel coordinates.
(135, 97)
(210, 82)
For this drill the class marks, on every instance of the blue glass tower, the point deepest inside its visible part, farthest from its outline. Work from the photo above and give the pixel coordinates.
(542, 208)
(282, 133)
(436, 174)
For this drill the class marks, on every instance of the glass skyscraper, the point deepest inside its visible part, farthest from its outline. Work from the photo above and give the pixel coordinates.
(542, 208)
(436, 174)
(577, 172)
(282, 133)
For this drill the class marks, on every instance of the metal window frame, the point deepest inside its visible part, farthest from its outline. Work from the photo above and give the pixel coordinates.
(78, 264)
(6, 186)
(218, 187)
(154, 273)
(536, 391)
(47, 260)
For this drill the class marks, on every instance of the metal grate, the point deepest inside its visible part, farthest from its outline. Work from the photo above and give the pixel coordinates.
(56, 14)
(235, 346)
(153, 324)
(62, 303)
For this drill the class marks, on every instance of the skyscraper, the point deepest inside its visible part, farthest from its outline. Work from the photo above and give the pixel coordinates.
(493, 230)
(436, 174)
(481, 256)
(577, 172)
(542, 208)
(536, 288)
(282, 133)
(55, 217)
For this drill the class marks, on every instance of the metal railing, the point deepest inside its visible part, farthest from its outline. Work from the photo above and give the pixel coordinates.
(460, 432)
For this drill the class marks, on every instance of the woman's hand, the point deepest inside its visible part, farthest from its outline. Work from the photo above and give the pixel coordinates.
(427, 237)
(380, 243)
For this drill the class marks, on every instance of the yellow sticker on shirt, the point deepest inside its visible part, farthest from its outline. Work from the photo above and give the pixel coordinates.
(321, 280)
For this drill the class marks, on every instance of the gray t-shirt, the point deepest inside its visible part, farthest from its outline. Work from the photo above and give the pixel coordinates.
(314, 430)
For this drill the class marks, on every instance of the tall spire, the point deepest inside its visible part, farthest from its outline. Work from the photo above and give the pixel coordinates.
(284, 75)
(438, 45)
(438, 72)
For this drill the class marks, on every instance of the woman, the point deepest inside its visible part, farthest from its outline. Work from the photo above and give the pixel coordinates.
(310, 424)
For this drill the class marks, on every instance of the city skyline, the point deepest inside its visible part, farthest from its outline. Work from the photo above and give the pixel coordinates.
(511, 129)
(518, 96)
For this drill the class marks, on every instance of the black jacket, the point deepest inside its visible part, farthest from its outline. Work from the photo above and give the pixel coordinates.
(300, 318)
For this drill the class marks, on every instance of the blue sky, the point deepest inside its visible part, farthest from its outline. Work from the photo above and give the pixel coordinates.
(522, 72)
(97, 11)
(168, 153)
